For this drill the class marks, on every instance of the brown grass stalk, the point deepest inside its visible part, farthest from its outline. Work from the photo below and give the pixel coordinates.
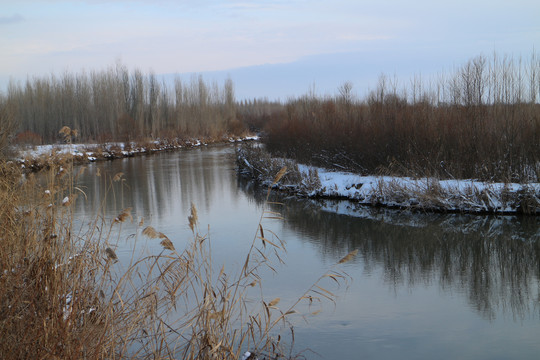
(66, 292)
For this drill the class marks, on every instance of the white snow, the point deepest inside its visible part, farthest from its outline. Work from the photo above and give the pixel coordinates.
(248, 356)
(40, 150)
(108, 149)
(68, 307)
(407, 193)
(449, 194)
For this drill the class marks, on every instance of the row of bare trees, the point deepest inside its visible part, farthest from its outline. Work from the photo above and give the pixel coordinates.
(116, 104)
(480, 121)
(480, 81)
(7, 126)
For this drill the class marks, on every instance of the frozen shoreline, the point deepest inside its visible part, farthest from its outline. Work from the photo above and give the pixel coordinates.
(42, 156)
(426, 194)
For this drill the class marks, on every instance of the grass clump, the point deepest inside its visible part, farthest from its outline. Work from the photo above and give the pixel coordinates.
(50, 305)
(254, 161)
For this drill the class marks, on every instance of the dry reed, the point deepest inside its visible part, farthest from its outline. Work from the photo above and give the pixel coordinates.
(66, 293)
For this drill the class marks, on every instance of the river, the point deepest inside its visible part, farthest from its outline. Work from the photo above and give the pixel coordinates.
(422, 286)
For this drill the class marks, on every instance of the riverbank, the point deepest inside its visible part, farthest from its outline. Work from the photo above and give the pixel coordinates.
(40, 157)
(422, 194)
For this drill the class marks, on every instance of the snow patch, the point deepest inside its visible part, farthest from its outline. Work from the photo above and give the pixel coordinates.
(422, 193)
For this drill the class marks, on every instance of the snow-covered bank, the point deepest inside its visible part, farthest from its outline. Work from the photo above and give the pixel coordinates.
(430, 194)
(426, 194)
(42, 156)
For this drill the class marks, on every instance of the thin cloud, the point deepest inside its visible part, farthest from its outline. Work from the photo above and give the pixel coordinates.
(15, 18)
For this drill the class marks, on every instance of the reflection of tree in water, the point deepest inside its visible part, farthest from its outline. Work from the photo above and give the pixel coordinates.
(495, 261)
(161, 182)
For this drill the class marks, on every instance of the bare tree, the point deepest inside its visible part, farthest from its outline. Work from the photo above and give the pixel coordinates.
(7, 126)
(345, 92)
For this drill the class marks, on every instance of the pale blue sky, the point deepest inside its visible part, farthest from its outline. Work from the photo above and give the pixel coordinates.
(295, 43)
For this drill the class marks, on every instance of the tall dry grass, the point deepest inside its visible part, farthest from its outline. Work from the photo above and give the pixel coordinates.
(66, 293)
(49, 306)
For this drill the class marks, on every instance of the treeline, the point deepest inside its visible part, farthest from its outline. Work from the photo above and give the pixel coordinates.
(481, 121)
(256, 113)
(116, 104)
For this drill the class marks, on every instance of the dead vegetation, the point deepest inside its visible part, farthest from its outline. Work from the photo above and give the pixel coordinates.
(67, 293)
(257, 163)
(481, 121)
(7, 126)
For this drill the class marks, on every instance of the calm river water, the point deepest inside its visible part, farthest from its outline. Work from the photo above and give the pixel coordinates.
(424, 286)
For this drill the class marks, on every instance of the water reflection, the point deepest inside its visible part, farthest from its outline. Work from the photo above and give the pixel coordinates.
(160, 185)
(438, 267)
(160, 190)
(493, 260)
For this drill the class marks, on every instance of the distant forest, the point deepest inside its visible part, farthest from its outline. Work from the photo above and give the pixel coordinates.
(116, 104)
(481, 120)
